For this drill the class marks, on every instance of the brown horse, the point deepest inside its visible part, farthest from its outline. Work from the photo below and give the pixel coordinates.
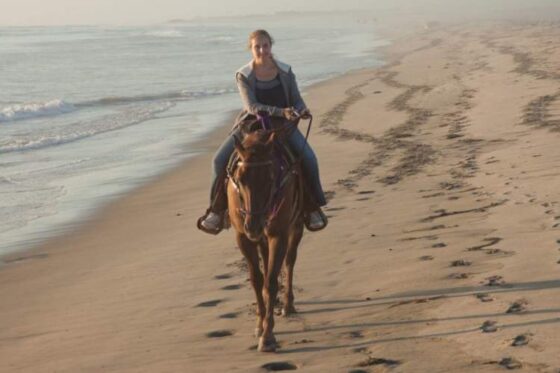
(266, 210)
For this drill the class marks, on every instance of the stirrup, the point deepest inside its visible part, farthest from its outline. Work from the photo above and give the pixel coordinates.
(323, 217)
(206, 230)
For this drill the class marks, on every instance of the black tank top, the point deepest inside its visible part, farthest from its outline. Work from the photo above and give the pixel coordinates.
(271, 92)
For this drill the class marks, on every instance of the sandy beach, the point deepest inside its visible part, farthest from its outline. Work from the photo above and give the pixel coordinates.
(442, 252)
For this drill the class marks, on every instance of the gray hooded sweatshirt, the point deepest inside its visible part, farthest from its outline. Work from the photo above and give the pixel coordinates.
(246, 83)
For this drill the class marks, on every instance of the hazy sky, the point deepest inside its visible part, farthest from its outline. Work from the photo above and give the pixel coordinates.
(49, 12)
(124, 12)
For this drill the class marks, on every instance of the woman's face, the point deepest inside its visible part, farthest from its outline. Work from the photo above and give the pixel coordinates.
(261, 48)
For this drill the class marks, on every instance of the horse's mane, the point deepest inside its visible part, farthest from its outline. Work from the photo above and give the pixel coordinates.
(255, 142)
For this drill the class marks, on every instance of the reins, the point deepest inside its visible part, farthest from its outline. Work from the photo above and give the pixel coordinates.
(270, 206)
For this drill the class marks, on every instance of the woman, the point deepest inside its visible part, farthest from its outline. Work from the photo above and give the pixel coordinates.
(266, 85)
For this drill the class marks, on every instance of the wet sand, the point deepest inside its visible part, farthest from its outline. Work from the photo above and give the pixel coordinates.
(442, 252)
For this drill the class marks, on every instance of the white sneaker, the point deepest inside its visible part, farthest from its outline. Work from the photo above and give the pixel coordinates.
(212, 221)
(316, 221)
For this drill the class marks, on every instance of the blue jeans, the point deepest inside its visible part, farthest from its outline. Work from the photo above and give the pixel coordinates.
(296, 140)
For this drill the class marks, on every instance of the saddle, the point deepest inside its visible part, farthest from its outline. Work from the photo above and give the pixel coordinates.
(286, 160)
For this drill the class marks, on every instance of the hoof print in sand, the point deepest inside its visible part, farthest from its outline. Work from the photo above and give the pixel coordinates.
(366, 192)
(354, 334)
(278, 366)
(489, 326)
(358, 371)
(483, 297)
(303, 341)
(426, 257)
(439, 244)
(232, 287)
(510, 363)
(518, 306)
(219, 334)
(489, 241)
(460, 263)
(371, 361)
(210, 303)
(495, 281)
(458, 276)
(229, 315)
(521, 340)
(224, 276)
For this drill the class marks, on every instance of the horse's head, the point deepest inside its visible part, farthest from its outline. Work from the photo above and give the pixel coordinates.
(254, 178)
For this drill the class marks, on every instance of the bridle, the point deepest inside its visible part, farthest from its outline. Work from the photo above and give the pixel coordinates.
(268, 163)
(248, 212)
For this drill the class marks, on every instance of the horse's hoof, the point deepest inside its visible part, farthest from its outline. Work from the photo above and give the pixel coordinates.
(267, 346)
(288, 311)
(258, 332)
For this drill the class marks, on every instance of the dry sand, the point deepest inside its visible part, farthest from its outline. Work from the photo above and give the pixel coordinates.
(442, 248)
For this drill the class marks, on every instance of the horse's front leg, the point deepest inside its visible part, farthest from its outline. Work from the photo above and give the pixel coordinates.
(277, 252)
(289, 264)
(251, 254)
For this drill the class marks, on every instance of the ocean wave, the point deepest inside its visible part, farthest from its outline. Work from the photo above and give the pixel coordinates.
(15, 112)
(6, 181)
(35, 109)
(82, 130)
(179, 95)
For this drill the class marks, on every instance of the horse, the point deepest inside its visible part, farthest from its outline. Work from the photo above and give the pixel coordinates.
(265, 206)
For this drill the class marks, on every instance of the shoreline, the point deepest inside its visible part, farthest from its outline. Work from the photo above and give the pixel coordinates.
(200, 147)
(441, 249)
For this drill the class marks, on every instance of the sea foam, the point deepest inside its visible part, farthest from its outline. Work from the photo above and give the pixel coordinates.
(81, 130)
(35, 109)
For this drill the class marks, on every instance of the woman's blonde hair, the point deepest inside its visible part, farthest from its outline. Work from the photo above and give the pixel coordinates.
(255, 34)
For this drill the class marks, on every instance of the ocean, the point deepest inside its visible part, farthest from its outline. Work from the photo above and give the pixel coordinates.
(89, 112)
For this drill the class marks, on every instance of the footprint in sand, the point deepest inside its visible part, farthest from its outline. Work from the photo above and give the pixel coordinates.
(489, 326)
(278, 366)
(426, 257)
(521, 340)
(484, 297)
(494, 251)
(302, 341)
(510, 363)
(494, 281)
(210, 303)
(229, 315)
(232, 287)
(460, 263)
(373, 361)
(489, 241)
(224, 276)
(366, 192)
(458, 276)
(354, 334)
(439, 244)
(519, 306)
(219, 334)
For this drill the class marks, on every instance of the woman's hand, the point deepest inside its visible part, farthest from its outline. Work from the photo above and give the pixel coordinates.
(305, 114)
(291, 114)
